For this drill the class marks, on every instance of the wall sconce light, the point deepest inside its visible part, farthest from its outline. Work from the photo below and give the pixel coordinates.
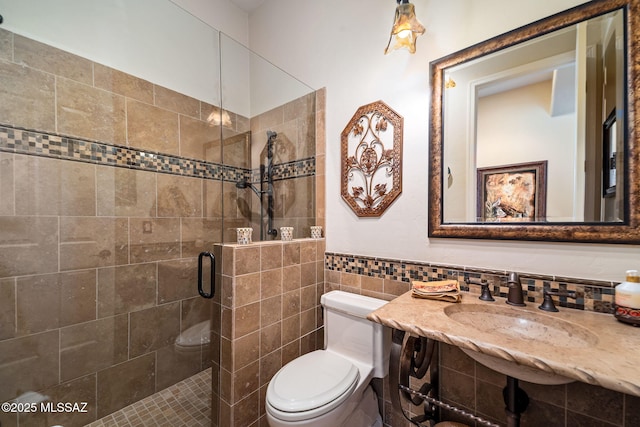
(449, 83)
(406, 28)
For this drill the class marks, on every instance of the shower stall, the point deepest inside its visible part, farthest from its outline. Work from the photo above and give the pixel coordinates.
(131, 137)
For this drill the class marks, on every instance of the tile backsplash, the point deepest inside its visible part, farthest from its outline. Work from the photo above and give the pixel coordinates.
(391, 277)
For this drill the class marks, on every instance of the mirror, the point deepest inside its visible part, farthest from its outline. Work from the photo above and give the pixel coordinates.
(520, 150)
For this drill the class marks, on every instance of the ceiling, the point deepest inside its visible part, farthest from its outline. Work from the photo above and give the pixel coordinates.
(248, 5)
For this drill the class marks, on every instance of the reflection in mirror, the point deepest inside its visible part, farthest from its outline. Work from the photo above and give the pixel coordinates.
(522, 104)
(552, 93)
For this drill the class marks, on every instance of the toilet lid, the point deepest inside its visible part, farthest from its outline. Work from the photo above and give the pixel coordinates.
(311, 381)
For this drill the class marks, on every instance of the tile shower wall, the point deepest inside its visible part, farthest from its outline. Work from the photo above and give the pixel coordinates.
(270, 314)
(471, 386)
(294, 161)
(98, 263)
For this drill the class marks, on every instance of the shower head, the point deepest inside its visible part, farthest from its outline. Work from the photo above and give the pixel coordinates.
(271, 134)
(245, 184)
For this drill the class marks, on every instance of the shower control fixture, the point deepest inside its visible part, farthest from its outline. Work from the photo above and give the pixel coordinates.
(266, 176)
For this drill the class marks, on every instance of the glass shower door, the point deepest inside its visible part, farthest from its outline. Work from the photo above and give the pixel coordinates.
(110, 188)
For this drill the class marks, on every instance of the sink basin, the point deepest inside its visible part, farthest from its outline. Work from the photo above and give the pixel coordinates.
(517, 324)
(514, 323)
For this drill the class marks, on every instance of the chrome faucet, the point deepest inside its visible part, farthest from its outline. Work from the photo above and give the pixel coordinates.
(515, 296)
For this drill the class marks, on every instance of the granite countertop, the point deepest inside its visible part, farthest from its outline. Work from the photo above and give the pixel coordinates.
(611, 358)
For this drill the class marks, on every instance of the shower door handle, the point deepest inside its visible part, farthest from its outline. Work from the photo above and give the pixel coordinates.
(213, 275)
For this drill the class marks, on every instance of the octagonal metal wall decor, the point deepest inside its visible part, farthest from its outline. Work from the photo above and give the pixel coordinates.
(371, 143)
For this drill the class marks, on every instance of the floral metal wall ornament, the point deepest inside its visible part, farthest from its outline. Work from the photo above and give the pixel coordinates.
(372, 159)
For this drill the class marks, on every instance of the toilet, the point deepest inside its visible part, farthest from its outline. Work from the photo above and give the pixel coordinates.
(194, 339)
(331, 387)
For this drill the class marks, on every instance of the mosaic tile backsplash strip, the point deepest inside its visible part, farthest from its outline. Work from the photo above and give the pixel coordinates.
(594, 296)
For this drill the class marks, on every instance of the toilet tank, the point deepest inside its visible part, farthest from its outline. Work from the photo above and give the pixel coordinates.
(348, 332)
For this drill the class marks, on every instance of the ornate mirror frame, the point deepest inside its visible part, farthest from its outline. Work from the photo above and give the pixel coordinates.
(627, 231)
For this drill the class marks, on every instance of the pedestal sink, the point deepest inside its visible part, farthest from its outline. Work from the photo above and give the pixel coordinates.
(515, 324)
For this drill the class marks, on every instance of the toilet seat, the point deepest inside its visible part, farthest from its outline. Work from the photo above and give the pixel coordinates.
(311, 385)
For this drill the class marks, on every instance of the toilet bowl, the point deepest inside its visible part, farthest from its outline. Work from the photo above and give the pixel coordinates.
(331, 387)
(194, 338)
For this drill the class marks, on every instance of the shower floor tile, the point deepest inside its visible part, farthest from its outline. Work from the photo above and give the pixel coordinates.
(187, 403)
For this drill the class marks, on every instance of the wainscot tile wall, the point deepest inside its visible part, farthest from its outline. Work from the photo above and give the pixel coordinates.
(470, 385)
(270, 314)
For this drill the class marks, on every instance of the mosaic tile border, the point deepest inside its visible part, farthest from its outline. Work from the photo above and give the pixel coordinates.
(597, 296)
(31, 142)
(287, 170)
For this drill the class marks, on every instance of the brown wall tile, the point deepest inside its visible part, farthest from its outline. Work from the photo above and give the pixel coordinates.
(121, 83)
(237, 150)
(7, 308)
(154, 239)
(54, 187)
(54, 300)
(291, 278)
(246, 289)
(199, 140)
(176, 102)
(247, 410)
(82, 390)
(270, 338)
(245, 381)
(270, 283)
(126, 288)
(89, 347)
(174, 365)
(308, 274)
(247, 260)
(154, 328)
(88, 112)
(271, 310)
(28, 363)
(246, 350)
(152, 128)
(123, 384)
(269, 365)
(52, 60)
(270, 256)
(246, 319)
(290, 303)
(179, 196)
(38, 239)
(199, 235)
(196, 310)
(7, 192)
(125, 192)
(177, 280)
(290, 329)
(89, 242)
(28, 97)
(290, 253)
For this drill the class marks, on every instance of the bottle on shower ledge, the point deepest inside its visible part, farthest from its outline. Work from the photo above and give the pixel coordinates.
(627, 299)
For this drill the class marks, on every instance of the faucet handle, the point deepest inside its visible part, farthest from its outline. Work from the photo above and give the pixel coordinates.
(547, 303)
